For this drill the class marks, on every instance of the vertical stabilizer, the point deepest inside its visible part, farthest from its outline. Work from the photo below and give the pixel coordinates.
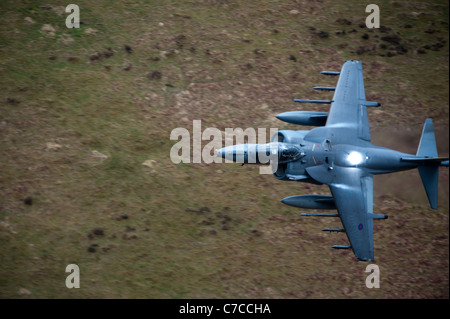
(427, 145)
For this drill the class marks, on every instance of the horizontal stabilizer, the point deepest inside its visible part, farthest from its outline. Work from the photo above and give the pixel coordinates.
(442, 161)
(324, 88)
(330, 73)
(341, 247)
(320, 215)
(313, 101)
(338, 230)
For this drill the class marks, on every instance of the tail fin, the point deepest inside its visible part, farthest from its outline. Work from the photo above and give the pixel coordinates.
(427, 145)
(429, 173)
(428, 162)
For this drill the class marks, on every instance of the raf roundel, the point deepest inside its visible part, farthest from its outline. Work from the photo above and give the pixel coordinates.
(360, 226)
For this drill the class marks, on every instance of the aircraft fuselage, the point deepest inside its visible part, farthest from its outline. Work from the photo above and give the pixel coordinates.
(374, 159)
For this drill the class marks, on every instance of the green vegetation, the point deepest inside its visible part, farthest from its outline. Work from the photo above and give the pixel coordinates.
(82, 109)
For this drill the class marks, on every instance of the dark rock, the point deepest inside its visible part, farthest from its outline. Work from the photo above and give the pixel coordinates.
(256, 232)
(127, 66)
(28, 201)
(430, 31)
(322, 34)
(390, 54)
(108, 53)
(95, 56)
(437, 46)
(365, 36)
(395, 39)
(364, 49)
(155, 75)
(384, 29)
(204, 209)
(128, 237)
(92, 248)
(207, 221)
(292, 58)
(401, 49)
(343, 21)
(258, 51)
(128, 49)
(98, 231)
(12, 100)
(180, 41)
(121, 217)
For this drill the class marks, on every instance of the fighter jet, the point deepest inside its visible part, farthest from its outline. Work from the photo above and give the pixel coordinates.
(339, 153)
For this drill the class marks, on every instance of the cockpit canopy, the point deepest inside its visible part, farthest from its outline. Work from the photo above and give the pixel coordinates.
(286, 152)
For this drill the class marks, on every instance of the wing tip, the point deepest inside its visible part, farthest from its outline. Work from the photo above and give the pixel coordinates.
(367, 259)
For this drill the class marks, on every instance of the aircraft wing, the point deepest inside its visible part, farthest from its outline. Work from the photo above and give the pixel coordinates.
(348, 108)
(352, 190)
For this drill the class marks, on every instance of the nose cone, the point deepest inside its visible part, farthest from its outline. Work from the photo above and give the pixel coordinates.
(220, 153)
(233, 153)
(246, 153)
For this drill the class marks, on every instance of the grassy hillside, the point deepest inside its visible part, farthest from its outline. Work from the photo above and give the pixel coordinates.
(82, 109)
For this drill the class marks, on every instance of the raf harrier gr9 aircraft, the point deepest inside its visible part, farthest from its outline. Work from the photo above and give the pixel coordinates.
(339, 154)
